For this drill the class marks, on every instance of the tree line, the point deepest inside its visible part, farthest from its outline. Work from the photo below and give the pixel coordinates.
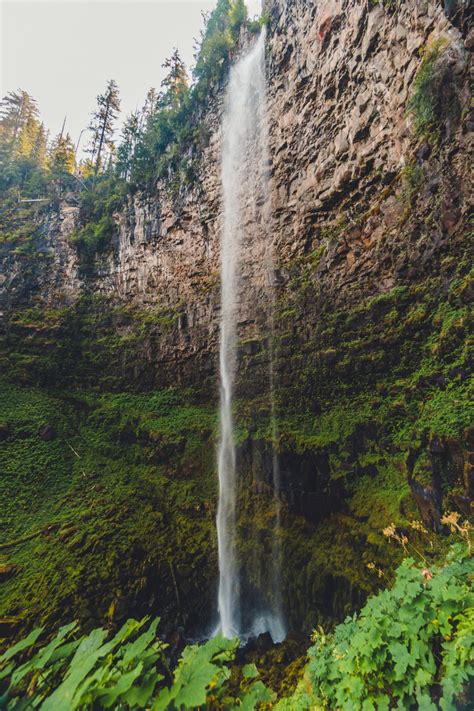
(153, 139)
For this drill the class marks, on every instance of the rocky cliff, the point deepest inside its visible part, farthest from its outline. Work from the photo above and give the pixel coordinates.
(370, 129)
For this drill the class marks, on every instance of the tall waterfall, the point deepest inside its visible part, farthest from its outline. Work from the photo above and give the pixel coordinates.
(244, 175)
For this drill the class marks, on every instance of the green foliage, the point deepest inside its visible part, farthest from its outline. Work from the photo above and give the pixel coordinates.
(95, 236)
(410, 646)
(255, 26)
(30, 167)
(98, 206)
(413, 177)
(217, 40)
(170, 135)
(423, 104)
(129, 670)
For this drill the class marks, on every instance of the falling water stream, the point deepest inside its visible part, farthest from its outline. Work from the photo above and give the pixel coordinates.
(244, 175)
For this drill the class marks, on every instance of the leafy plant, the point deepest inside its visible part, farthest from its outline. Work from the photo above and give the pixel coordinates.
(128, 671)
(410, 646)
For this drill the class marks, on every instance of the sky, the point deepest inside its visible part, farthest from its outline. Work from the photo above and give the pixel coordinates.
(62, 52)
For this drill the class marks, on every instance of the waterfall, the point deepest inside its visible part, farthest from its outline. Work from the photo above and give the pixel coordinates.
(244, 176)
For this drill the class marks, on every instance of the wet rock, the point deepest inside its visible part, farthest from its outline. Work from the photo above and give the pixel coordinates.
(47, 433)
(260, 644)
(427, 500)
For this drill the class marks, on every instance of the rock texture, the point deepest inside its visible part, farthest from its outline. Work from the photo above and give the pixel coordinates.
(339, 77)
(370, 284)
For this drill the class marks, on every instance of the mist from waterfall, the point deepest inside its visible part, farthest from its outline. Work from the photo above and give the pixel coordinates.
(244, 176)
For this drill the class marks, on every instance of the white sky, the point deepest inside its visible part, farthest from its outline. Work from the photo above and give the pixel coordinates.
(63, 51)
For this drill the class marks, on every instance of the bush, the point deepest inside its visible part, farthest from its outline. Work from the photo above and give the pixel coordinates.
(409, 647)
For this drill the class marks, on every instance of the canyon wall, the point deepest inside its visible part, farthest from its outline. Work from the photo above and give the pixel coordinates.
(340, 75)
(369, 204)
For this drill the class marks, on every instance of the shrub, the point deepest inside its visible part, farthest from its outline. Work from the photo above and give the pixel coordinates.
(409, 647)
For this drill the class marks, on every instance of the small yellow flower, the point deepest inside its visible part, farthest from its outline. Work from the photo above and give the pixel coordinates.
(389, 532)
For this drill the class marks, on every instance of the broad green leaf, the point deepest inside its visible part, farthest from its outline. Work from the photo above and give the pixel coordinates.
(43, 656)
(109, 697)
(136, 648)
(20, 646)
(6, 671)
(129, 628)
(401, 657)
(257, 693)
(249, 671)
(139, 695)
(424, 702)
(87, 654)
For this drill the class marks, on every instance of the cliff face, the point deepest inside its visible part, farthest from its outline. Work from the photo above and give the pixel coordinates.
(339, 79)
(369, 204)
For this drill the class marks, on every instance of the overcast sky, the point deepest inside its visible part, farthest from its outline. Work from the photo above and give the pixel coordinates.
(63, 51)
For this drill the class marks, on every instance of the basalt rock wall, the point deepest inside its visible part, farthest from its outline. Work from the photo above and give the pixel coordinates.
(370, 132)
(340, 75)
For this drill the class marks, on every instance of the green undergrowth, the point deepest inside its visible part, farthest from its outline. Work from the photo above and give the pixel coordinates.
(410, 646)
(96, 486)
(128, 670)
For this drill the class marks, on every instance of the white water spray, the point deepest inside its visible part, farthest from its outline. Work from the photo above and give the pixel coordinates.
(244, 182)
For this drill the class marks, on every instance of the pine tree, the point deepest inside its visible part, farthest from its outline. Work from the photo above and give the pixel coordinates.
(40, 147)
(148, 109)
(126, 149)
(17, 109)
(27, 136)
(102, 125)
(175, 85)
(61, 157)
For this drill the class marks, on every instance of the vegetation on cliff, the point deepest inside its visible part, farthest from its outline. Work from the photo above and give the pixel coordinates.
(409, 646)
(159, 141)
(108, 449)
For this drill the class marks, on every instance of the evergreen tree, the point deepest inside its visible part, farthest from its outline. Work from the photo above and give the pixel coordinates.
(175, 84)
(40, 147)
(126, 149)
(102, 125)
(17, 109)
(148, 109)
(27, 136)
(61, 157)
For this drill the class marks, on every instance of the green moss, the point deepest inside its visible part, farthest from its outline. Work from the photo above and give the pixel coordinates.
(118, 488)
(423, 104)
